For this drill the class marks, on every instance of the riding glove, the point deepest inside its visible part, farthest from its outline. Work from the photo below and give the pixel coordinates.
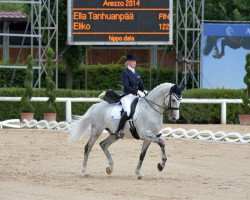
(140, 93)
(145, 92)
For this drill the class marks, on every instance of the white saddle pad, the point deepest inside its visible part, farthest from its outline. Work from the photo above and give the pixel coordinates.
(116, 112)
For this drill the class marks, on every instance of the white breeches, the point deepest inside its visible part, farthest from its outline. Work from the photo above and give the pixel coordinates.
(126, 102)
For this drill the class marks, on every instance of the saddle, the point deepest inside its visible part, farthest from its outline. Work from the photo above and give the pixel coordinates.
(112, 97)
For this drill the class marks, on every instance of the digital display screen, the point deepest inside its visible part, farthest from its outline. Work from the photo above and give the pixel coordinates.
(115, 22)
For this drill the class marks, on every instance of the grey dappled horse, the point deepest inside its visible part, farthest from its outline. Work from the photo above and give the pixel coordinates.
(148, 122)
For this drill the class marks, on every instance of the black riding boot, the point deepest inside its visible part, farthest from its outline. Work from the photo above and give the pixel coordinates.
(122, 122)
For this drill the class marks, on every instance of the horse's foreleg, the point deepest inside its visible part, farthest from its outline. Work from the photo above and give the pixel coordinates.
(88, 147)
(105, 145)
(161, 143)
(145, 146)
(161, 165)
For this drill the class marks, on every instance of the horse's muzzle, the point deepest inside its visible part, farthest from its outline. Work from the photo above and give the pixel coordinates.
(174, 116)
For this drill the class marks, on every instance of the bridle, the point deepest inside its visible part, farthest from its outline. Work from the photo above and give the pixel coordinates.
(167, 107)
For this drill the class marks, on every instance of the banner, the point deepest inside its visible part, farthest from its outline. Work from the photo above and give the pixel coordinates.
(224, 48)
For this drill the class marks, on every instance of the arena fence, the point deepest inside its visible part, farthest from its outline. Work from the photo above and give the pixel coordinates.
(69, 101)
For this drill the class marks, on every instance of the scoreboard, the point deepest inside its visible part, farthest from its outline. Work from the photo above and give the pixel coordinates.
(120, 22)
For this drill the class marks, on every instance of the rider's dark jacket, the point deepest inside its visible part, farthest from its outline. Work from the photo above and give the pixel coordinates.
(132, 82)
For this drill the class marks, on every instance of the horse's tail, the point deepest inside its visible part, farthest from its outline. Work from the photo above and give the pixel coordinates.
(79, 127)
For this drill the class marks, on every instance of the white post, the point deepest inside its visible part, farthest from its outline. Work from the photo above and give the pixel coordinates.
(223, 112)
(68, 110)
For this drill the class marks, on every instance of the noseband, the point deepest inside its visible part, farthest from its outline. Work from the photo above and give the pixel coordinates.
(168, 107)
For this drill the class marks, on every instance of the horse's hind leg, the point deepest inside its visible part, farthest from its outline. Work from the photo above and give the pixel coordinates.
(105, 145)
(145, 146)
(88, 147)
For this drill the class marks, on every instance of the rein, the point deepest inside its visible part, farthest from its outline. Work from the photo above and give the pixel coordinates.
(169, 107)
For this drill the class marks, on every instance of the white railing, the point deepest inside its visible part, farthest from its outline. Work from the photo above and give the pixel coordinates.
(68, 103)
(223, 103)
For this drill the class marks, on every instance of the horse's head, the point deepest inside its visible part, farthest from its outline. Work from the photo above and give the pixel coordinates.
(173, 100)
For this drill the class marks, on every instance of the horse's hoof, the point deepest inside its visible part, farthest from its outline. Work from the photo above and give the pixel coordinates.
(139, 175)
(84, 173)
(159, 166)
(108, 170)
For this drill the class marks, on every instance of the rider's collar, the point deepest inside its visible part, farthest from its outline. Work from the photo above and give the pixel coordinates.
(131, 69)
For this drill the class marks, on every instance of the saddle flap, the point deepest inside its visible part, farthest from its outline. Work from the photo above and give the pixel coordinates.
(133, 130)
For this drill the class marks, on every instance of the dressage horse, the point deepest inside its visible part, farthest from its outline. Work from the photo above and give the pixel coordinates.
(148, 121)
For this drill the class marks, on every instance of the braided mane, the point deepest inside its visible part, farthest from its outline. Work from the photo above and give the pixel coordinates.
(157, 88)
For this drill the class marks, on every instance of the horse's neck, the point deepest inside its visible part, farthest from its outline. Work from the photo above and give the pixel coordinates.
(158, 95)
(158, 99)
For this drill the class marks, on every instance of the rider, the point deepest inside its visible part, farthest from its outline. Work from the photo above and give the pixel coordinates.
(132, 86)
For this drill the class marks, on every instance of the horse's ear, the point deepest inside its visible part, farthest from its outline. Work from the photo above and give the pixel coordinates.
(183, 87)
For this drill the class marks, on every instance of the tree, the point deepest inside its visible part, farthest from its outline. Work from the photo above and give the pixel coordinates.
(26, 106)
(13, 7)
(72, 55)
(50, 85)
(234, 10)
(246, 96)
